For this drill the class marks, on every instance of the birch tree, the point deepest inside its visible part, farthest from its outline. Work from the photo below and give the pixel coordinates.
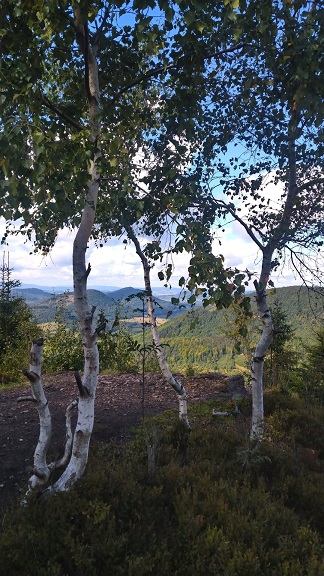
(39, 126)
(70, 112)
(58, 134)
(275, 92)
(167, 374)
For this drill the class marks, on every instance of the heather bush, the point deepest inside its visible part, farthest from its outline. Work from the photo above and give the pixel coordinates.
(209, 505)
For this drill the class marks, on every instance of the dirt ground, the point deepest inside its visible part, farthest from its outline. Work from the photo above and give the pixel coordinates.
(119, 407)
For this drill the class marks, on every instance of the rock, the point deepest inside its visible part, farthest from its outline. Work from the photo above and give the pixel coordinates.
(235, 386)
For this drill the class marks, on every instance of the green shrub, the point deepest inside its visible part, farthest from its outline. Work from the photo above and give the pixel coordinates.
(63, 348)
(190, 371)
(17, 330)
(313, 369)
(117, 352)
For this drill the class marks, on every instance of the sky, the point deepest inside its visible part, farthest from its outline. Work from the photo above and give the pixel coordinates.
(117, 265)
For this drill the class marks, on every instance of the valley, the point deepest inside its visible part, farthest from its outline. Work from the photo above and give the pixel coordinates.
(195, 338)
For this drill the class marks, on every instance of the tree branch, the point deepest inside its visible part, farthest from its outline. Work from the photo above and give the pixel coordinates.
(311, 183)
(131, 236)
(46, 102)
(32, 376)
(86, 62)
(68, 439)
(247, 228)
(83, 391)
(27, 399)
(156, 71)
(96, 37)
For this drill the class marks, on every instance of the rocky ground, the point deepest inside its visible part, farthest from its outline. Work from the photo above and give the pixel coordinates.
(119, 407)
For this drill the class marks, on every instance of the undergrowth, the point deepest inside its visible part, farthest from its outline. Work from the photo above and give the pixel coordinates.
(206, 505)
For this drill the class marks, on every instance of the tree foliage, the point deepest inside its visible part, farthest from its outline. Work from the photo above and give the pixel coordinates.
(154, 116)
(313, 368)
(17, 327)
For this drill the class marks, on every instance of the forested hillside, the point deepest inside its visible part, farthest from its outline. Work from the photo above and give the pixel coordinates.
(198, 339)
(32, 294)
(206, 338)
(302, 306)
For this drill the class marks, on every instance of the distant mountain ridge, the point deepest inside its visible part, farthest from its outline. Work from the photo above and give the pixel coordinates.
(32, 294)
(302, 306)
(126, 302)
(161, 291)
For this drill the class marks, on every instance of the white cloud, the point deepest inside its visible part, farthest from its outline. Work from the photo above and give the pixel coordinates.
(117, 264)
(113, 264)
(239, 249)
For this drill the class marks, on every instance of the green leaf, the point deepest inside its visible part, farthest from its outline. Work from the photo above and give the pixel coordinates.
(189, 17)
(174, 301)
(38, 137)
(200, 26)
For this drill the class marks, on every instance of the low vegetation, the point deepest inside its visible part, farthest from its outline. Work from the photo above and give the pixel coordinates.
(171, 502)
(17, 328)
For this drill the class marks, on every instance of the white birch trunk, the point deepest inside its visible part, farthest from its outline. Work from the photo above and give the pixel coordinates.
(176, 385)
(40, 469)
(68, 439)
(280, 236)
(257, 424)
(85, 314)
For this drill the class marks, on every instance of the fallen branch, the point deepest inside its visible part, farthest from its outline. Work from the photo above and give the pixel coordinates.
(227, 412)
(27, 399)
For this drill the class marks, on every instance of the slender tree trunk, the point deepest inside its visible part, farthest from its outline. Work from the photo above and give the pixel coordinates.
(257, 425)
(176, 385)
(85, 314)
(40, 470)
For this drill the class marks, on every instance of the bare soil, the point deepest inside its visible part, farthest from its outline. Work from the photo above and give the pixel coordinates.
(119, 408)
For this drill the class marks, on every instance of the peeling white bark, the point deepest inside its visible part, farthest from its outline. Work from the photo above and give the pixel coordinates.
(40, 469)
(87, 390)
(257, 424)
(170, 379)
(85, 314)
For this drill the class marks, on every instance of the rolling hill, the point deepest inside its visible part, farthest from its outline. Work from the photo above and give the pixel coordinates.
(304, 308)
(203, 338)
(125, 301)
(32, 294)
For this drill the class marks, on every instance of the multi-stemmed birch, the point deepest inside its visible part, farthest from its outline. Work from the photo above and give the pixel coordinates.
(51, 128)
(62, 140)
(85, 314)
